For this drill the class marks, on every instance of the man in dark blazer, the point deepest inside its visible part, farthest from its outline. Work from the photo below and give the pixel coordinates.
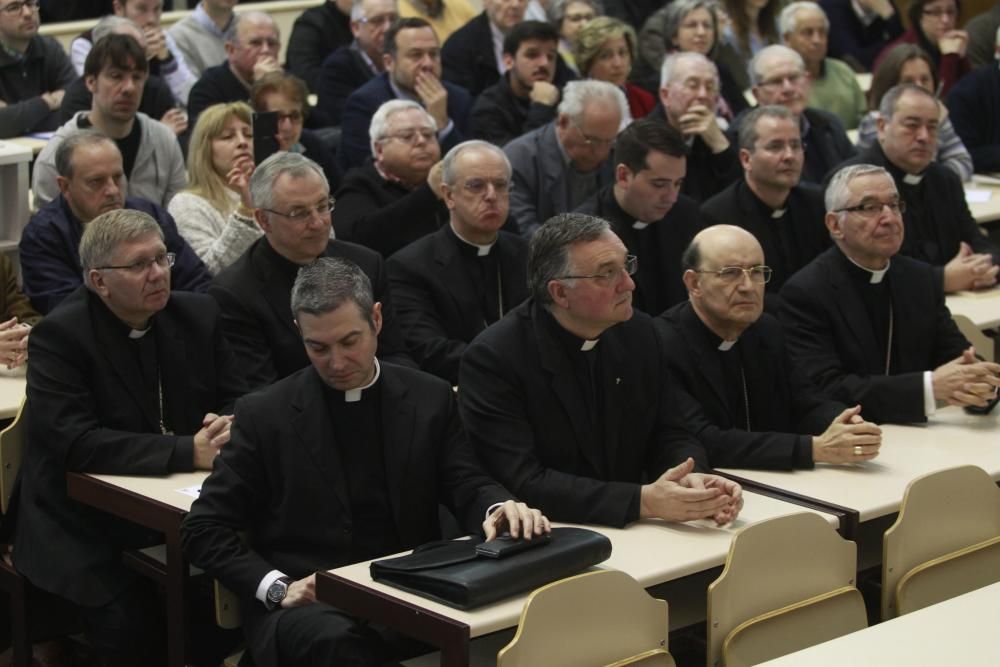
(125, 378)
(451, 285)
(413, 71)
(647, 211)
(567, 398)
(316, 34)
(344, 461)
(770, 201)
(940, 229)
(293, 207)
(736, 387)
(869, 325)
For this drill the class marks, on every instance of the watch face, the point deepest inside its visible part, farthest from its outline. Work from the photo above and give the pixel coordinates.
(276, 591)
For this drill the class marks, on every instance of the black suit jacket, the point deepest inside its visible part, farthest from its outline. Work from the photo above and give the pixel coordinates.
(86, 415)
(341, 73)
(438, 299)
(831, 338)
(527, 417)
(281, 481)
(217, 85)
(826, 142)
(784, 404)
(708, 173)
(255, 296)
(498, 116)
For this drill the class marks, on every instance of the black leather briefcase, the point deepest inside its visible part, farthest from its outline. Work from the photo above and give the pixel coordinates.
(452, 573)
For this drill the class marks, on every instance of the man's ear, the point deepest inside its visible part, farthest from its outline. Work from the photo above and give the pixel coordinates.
(508, 61)
(832, 221)
(690, 279)
(377, 317)
(263, 221)
(744, 156)
(90, 81)
(558, 292)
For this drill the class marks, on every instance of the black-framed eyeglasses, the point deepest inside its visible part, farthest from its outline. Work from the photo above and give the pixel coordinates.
(164, 260)
(759, 274)
(609, 276)
(17, 7)
(300, 213)
(870, 209)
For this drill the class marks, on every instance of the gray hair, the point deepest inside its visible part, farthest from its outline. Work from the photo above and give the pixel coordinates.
(67, 147)
(255, 16)
(756, 76)
(887, 107)
(557, 9)
(837, 194)
(328, 283)
(448, 174)
(115, 24)
(674, 13)
(670, 64)
(548, 252)
(576, 95)
(270, 170)
(103, 235)
(787, 22)
(748, 134)
(357, 9)
(380, 119)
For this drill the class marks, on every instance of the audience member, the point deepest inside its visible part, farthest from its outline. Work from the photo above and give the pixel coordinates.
(413, 72)
(647, 212)
(805, 28)
(604, 50)
(784, 214)
(867, 323)
(860, 30)
(215, 214)
(18, 317)
(472, 57)
(292, 204)
(165, 58)
(34, 72)
(116, 75)
(736, 386)
(559, 165)
(908, 63)
(567, 400)
(126, 378)
(445, 16)
(568, 16)
(451, 285)
(352, 66)
(525, 97)
(317, 33)
(982, 31)
(780, 77)
(689, 95)
(344, 461)
(91, 181)
(751, 27)
(201, 35)
(940, 229)
(974, 106)
(934, 28)
(633, 12)
(250, 54)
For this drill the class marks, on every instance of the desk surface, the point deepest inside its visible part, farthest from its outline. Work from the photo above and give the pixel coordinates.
(876, 488)
(982, 308)
(652, 552)
(989, 210)
(33, 144)
(960, 631)
(164, 490)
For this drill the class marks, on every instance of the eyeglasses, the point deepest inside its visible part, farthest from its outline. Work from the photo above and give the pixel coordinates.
(301, 213)
(412, 135)
(479, 186)
(18, 7)
(694, 85)
(294, 117)
(870, 209)
(577, 18)
(261, 42)
(941, 13)
(759, 274)
(163, 260)
(779, 81)
(609, 276)
(595, 142)
(381, 19)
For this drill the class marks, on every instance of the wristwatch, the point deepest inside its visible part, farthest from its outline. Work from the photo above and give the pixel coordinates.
(276, 592)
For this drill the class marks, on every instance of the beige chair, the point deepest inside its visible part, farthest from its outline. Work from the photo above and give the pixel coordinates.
(984, 344)
(11, 450)
(596, 618)
(945, 542)
(788, 583)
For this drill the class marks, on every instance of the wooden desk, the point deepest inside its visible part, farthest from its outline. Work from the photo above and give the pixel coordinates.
(959, 631)
(653, 552)
(981, 308)
(987, 211)
(155, 503)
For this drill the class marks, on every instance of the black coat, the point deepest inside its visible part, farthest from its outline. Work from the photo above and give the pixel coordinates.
(217, 85)
(341, 73)
(86, 414)
(498, 116)
(316, 33)
(45, 67)
(786, 408)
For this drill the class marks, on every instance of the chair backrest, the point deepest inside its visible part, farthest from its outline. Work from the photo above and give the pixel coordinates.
(945, 542)
(11, 450)
(788, 583)
(596, 618)
(228, 615)
(975, 335)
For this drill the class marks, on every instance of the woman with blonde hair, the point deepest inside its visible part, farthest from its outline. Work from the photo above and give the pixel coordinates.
(215, 213)
(604, 50)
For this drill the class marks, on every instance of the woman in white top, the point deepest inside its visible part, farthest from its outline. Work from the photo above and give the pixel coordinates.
(215, 213)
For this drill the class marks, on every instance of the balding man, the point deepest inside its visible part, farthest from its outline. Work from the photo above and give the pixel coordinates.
(738, 390)
(451, 285)
(251, 52)
(780, 77)
(868, 324)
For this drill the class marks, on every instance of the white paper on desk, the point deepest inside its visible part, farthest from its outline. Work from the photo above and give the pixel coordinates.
(193, 491)
(977, 196)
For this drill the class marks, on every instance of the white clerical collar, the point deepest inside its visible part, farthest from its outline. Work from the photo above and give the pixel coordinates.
(481, 250)
(354, 395)
(588, 345)
(876, 275)
(913, 179)
(778, 213)
(136, 334)
(639, 225)
(726, 345)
